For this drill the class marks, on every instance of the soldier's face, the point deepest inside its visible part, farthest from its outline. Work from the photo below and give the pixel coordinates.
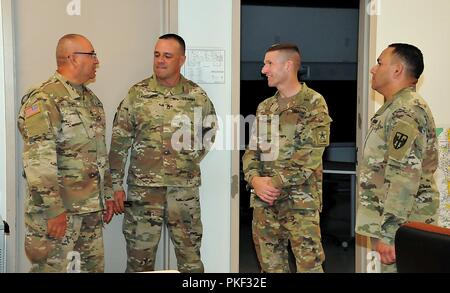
(274, 68)
(383, 71)
(168, 59)
(86, 63)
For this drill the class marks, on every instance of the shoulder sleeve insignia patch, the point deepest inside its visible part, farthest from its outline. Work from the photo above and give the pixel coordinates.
(322, 136)
(32, 110)
(401, 140)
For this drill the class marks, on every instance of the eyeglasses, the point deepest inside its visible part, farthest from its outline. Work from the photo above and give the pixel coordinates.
(93, 54)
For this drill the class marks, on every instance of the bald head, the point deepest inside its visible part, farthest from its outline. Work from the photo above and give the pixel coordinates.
(67, 45)
(76, 59)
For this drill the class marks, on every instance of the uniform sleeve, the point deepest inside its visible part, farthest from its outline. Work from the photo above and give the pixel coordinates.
(210, 127)
(122, 137)
(108, 192)
(39, 122)
(405, 148)
(312, 141)
(251, 160)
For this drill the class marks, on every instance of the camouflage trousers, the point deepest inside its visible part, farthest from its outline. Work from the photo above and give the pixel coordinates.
(80, 250)
(151, 207)
(273, 227)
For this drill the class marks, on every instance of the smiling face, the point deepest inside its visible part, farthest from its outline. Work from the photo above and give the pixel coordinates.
(168, 60)
(275, 68)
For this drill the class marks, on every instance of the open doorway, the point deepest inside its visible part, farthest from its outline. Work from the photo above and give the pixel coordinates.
(327, 35)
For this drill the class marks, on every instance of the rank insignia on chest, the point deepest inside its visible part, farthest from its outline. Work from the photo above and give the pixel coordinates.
(400, 140)
(33, 110)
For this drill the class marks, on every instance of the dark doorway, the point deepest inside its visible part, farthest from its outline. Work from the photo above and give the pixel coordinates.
(327, 35)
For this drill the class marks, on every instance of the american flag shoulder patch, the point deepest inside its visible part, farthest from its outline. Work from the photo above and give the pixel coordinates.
(33, 110)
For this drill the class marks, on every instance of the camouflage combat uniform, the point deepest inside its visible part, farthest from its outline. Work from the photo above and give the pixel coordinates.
(163, 181)
(66, 168)
(303, 134)
(396, 181)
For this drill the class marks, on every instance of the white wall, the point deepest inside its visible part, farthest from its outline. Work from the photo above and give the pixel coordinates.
(425, 24)
(208, 23)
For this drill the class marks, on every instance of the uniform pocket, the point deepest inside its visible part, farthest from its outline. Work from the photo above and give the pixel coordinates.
(255, 202)
(73, 125)
(37, 245)
(302, 200)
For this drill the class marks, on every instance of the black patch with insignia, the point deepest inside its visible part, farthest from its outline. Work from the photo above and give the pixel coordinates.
(400, 140)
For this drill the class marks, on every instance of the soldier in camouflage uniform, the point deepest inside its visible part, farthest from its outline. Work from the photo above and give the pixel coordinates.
(283, 165)
(65, 165)
(396, 181)
(162, 121)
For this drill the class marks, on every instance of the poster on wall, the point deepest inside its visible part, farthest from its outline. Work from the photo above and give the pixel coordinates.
(443, 175)
(205, 65)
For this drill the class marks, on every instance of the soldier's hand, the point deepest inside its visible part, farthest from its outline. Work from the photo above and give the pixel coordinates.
(265, 190)
(109, 213)
(119, 198)
(56, 227)
(386, 251)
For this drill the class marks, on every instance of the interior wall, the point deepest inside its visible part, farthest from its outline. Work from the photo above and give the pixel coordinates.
(426, 25)
(208, 24)
(334, 59)
(314, 24)
(123, 34)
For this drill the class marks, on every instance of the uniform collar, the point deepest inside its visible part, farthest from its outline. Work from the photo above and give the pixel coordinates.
(176, 90)
(293, 101)
(72, 92)
(403, 91)
(397, 96)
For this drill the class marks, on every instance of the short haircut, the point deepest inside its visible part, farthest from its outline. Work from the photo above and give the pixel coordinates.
(177, 38)
(284, 47)
(290, 49)
(412, 57)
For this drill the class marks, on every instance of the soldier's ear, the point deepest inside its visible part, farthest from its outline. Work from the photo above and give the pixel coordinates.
(72, 59)
(182, 60)
(399, 69)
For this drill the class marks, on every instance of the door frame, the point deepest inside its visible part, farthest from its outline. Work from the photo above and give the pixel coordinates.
(366, 52)
(367, 100)
(12, 154)
(235, 156)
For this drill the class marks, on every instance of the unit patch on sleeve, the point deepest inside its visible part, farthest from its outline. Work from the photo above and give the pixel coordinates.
(322, 136)
(401, 139)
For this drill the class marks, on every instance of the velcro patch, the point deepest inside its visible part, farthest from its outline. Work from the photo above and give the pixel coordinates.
(32, 110)
(321, 136)
(401, 139)
(36, 121)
